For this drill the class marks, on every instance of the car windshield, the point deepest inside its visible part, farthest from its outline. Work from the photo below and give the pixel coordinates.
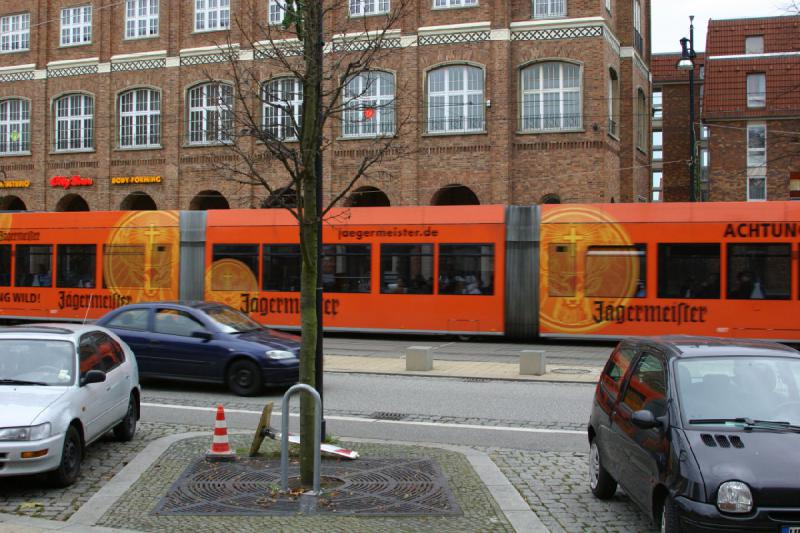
(36, 362)
(723, 389)
(230, 320)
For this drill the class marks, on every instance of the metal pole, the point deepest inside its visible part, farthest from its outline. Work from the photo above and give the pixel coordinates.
(692, 141)
(300, 387)
(318, 354)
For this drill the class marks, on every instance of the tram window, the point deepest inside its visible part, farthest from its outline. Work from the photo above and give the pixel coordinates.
(161, 270)
(616, 271)
(237, 278)
(5, 265)
(76, 265)
(561, 270)
(759, 271)
(407, 268)
(688, 271)
(282, 266)
(123, 266)
(34, 265)
(466, 269)
(346, 268)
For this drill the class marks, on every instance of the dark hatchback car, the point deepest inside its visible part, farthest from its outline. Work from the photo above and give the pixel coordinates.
(205, 341)
(702, 433)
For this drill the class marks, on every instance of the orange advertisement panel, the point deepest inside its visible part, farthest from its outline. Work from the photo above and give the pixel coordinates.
(81, 265)
(654, 269)
(366, 249)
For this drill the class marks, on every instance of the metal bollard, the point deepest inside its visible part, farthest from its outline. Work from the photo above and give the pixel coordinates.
(300, 387)
(532, 363)
(419, 358)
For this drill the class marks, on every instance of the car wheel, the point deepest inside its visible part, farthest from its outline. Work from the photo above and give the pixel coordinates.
(669, 517)
(71, 454)
(244, 378)
(126, 429)
(600, 481)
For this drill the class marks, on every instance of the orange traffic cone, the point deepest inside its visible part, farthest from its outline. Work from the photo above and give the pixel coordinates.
(220, 448)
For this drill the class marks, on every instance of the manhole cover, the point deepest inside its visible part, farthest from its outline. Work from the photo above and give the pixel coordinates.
(570, 371)
(369, 487)
(385, 415)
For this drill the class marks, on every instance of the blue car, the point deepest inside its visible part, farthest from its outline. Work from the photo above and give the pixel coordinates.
(208, 342)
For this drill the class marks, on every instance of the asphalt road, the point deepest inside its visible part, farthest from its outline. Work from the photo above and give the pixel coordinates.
(524, 415)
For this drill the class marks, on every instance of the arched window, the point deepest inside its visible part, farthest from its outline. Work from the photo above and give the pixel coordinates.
(642, 115)
(283, 107)
(140, 119)
(455, 99)
(613, 102)
(15, 126)
(74, 122)
(369, 104)
(210, 113)
(551, 97)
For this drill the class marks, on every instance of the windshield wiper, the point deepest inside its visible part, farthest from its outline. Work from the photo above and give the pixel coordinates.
(748, 423)
(21, 382)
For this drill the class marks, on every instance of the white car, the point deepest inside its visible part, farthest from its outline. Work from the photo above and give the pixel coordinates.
(62, 386)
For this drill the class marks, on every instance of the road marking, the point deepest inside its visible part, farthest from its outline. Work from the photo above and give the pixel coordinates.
(395, 422)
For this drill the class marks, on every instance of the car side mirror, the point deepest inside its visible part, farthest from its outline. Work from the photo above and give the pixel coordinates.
(93, 376)
(205, 335)
(645, 419)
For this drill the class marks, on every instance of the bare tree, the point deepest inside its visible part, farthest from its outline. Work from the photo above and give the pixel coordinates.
(793, 7)
(319, 79)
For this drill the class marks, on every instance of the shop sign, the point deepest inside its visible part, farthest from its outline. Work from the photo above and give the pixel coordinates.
(135, 180)
(14, 184)
(70, 181)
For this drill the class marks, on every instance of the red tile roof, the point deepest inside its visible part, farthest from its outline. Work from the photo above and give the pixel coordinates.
(726, 37)
(664, 71)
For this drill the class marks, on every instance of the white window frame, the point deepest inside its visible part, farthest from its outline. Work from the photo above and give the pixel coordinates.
(141, 19)
(658, 104)
(756, 155)
(276, 11)
(534, 116)
(140, 109)
(367, 8)
(452, 4)
(456, 118)
(205, 113)
(637, 16)
(76, 25)
(212, 15)
(756, 89)
(754, 41)
(751, 180)
(282, 109)
(369, 90)
(657, 190)
(608, 6)
(15, 116)
(15, 33)
(548, 9)
(74, 122)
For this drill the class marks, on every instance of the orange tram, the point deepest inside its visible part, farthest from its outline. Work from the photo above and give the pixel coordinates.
(568, 271)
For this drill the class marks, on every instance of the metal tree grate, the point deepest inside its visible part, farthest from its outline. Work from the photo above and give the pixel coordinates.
(368, 487)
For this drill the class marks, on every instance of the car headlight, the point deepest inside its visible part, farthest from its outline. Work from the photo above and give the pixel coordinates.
(734, 497)
(42, 431)
(279, 354)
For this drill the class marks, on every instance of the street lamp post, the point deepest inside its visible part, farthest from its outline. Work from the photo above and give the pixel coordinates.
(686, 62)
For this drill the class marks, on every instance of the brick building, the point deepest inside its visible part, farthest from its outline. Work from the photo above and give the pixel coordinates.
(109, 104)
(749, 136)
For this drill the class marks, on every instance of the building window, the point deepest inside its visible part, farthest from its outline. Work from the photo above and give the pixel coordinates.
(551, 97)
(543, 9)
(613, 103)
(141, 18)
(369, 105)
(455, 99)
(705, 133)
(210, 113)
(76, 25)
(444, 4)
(658, 105)
(754, 44)
(15, 32)
(705, 164)
(756, 145)
(756, 188)
(363, 8)
(283, 108)
(756, 90)
(658, 145)
(140, 119)
(277, 11)
(210, 15)
(15, 126)
(642, 114)
(74, 122)
(608, 6)
(658, 185)
(637, 16)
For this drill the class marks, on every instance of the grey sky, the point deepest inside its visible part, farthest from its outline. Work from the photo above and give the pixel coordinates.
(671, 18)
